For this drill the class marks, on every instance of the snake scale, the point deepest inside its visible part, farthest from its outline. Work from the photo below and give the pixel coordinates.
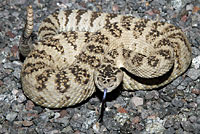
(78, 51)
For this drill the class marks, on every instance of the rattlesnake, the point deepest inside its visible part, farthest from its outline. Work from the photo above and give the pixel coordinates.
(78, 51)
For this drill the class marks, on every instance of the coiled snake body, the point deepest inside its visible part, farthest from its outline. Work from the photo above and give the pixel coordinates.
(78, 50)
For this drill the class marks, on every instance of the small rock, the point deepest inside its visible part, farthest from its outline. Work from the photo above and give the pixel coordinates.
(189, 98)
(56, 115)
(121, 118)
(29, 105)
(16, 73)
(136, 101)
(96, 127)
(18, 123)
(193, 119)
(177, 81)
(169, 123)
(198, 100)
(63, 113)
(187, 126)
(177, 103)
(196, 91)
(115, 8)
(67, 130)
(27, 123)
(11, 116)
(14, 50)
(10, 34)
(38, 108)
(192, 105)
(196, 62)
(189, 7)
(64, 120)
(152, 94)
(177, 125)
(193, 73)
(155, 126)
(2, 97)
(21, 98)
(196, 51)
(196, 9)
(169, 131)
(180, 87)
(136, 120)
(121, 110)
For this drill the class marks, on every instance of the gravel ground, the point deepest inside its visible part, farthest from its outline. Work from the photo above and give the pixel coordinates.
(172, 109)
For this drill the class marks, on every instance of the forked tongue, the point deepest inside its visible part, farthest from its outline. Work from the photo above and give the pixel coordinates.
(102, 105)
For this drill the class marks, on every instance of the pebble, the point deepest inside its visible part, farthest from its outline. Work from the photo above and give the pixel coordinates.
(189, 7)
(177, 102)
(177, 81)
(196, 52)
(27, 123)
(17, 72)
(136, 120)
(193, 119)
(29, 105)
(198, 100)
(196, 91)
(64, 121)
(169, 131)
(187, 126)
(169, 123)
(21, 98)
(121, 118)
(67, 130)
(96, 127)
(193, 73)
(196, 62)
(11, 116)
(136, 101)
(152, 95)
(155, 126)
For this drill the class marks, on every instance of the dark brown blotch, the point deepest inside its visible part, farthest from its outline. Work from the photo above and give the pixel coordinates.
(67, 14)
(47, 30)
(152, 35)
(165, 53)
(32, 67)
(94, 16)
(95, 49)
(53, 43)
(137, 59)
(139, 27)
(71, 38)
(162, 42)
(40, 54)
(114, 29)
(126, 22)
(113, 53)
(153, 61)
(48, 20)
(81, 75)
(96, 37)
(79, 14)
(43, 78)
(93, 61)
(62, 81)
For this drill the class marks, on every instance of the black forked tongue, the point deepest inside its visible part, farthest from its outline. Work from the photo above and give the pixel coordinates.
(103, 105)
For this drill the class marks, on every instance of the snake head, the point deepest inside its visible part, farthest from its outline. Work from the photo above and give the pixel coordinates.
(107, 77)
